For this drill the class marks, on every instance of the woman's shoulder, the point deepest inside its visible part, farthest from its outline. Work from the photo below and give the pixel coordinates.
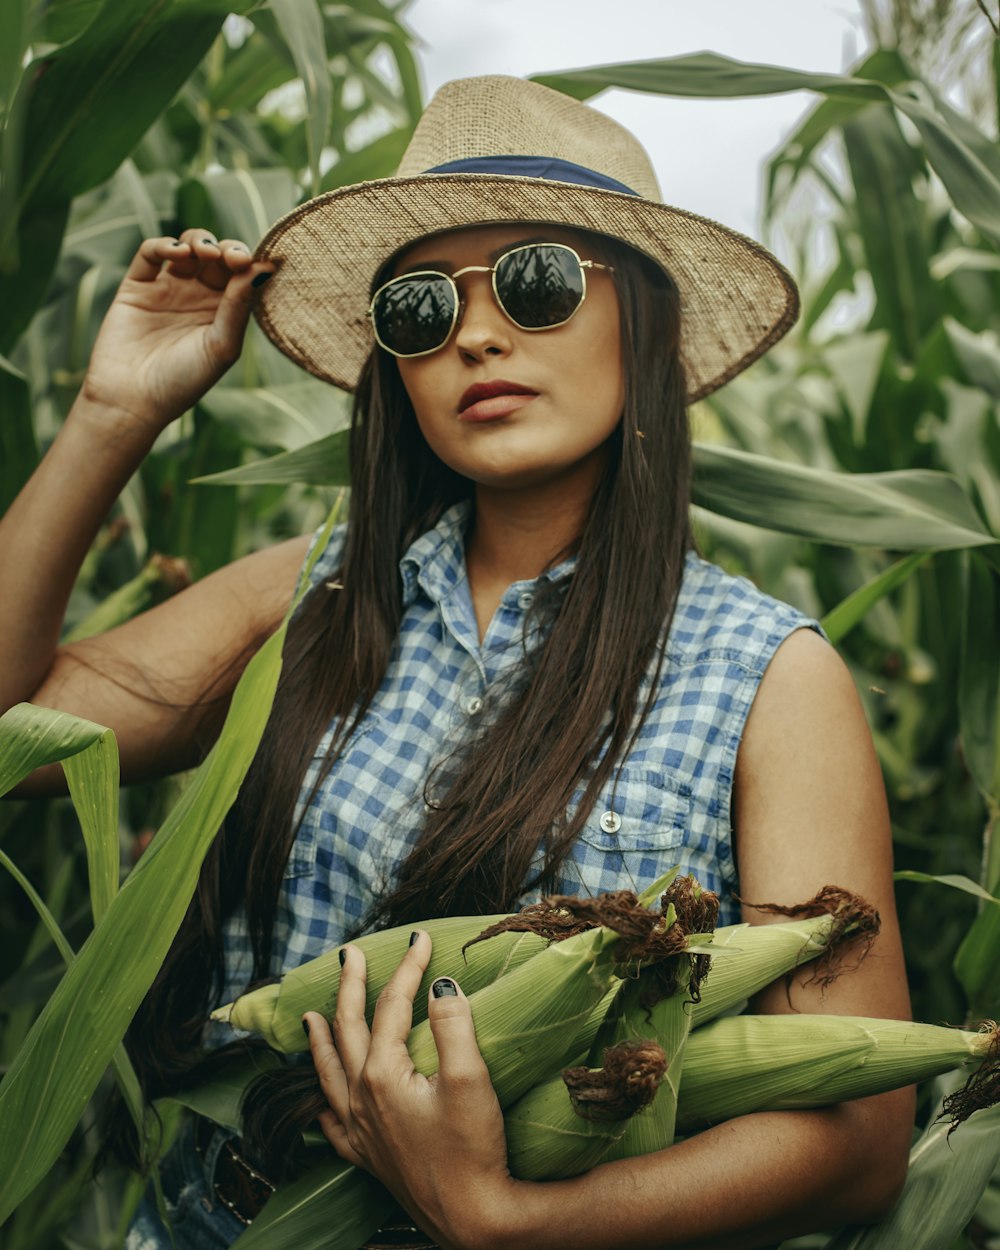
(724, 616)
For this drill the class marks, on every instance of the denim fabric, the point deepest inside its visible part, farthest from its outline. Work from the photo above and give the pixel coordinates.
(667, 803)
(199, 1221)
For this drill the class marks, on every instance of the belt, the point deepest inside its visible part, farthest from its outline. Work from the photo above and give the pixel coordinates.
(238, 1185)
(243, 1190)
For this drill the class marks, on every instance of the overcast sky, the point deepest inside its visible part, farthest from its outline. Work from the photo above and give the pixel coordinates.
(708, 154)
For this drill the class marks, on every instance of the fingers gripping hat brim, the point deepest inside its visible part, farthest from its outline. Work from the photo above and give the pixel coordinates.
(736, 299)
(493, 150)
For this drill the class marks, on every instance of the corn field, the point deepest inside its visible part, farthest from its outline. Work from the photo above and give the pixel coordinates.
(853, 472)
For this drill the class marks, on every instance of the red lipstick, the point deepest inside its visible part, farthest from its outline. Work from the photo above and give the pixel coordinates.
(489, 401)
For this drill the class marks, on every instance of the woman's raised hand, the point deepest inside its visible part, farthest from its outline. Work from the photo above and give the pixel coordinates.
(436, 1143)
(175, 326)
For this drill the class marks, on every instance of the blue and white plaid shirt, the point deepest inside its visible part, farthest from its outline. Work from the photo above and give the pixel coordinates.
(668, 803)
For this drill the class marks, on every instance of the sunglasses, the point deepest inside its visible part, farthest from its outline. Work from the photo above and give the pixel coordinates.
(538, 286)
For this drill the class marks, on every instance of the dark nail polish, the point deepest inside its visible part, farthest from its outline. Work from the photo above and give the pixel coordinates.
(261, 278)
(305, 1027)
(414, 935)
(342, 955)
(210, 243)
(175, 243)
(444, 987)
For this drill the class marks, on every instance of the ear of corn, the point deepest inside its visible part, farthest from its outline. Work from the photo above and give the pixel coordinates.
(275, 1011)
(742, 1064)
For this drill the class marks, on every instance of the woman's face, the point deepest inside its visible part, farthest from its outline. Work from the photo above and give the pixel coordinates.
(566, 383)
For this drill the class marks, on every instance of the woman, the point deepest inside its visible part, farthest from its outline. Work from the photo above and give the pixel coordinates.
(511, 673)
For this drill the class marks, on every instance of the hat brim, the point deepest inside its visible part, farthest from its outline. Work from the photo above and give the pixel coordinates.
(736, 298)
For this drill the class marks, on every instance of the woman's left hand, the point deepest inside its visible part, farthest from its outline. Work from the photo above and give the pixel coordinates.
(437, 1143)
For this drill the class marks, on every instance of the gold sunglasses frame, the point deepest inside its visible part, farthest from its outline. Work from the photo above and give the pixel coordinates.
(492, 271)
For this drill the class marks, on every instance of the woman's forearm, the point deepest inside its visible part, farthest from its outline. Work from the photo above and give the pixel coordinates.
(750, 1182)
(48, 530)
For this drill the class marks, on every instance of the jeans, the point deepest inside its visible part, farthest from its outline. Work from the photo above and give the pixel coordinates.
(198, 1218)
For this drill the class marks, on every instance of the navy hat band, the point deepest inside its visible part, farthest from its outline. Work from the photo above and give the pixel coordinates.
(533, 167)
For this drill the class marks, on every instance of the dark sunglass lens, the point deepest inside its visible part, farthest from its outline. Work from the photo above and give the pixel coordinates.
(539, 286)
(414, 315)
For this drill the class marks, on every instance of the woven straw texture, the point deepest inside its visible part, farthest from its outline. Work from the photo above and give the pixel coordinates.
(736, 299)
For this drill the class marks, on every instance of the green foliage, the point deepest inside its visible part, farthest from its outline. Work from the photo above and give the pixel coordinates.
(854, 471)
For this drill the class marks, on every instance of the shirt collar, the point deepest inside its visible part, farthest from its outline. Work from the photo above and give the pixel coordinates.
(435, 562)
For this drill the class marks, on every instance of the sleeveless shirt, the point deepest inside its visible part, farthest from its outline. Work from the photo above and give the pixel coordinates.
(667, 803)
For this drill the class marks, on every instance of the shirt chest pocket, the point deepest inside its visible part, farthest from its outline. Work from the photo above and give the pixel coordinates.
(639, 810)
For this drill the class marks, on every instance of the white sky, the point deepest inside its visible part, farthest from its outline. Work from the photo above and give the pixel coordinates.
(708, 154)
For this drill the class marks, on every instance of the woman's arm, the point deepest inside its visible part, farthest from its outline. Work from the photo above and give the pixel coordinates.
(810, 810)
(175, 326)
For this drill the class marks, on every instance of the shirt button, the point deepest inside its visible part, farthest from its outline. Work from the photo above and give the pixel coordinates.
(474, 705)
(526, 599)
(611, 822)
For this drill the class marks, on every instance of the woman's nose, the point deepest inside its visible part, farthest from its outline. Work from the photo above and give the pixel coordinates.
(483, 328)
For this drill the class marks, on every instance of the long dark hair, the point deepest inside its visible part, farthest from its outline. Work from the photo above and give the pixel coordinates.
(581, 697)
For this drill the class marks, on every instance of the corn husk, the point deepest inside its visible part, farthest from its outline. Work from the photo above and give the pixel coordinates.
(742, 1064)
(656, 1004)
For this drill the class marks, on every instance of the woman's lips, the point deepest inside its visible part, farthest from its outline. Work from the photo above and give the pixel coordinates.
(489, 401)
(496, 407)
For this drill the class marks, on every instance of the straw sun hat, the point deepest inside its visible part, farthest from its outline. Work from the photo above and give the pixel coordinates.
(495, 150)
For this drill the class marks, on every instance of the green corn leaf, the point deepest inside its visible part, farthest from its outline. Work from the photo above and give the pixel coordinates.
(977, 964)
(946, 1179)
(31, 737)
(323, 463)
(954, 880)
(906, 510)
(903, 511)
(219, 1099)
(855, 364)
(893, 228)
(301, 25)
(92, 777)
(378, 159)
(977, 354)
(979, 681)
(332, 1204)
(237, 203)
(289, 416)
(852, 610)
(49, 922)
